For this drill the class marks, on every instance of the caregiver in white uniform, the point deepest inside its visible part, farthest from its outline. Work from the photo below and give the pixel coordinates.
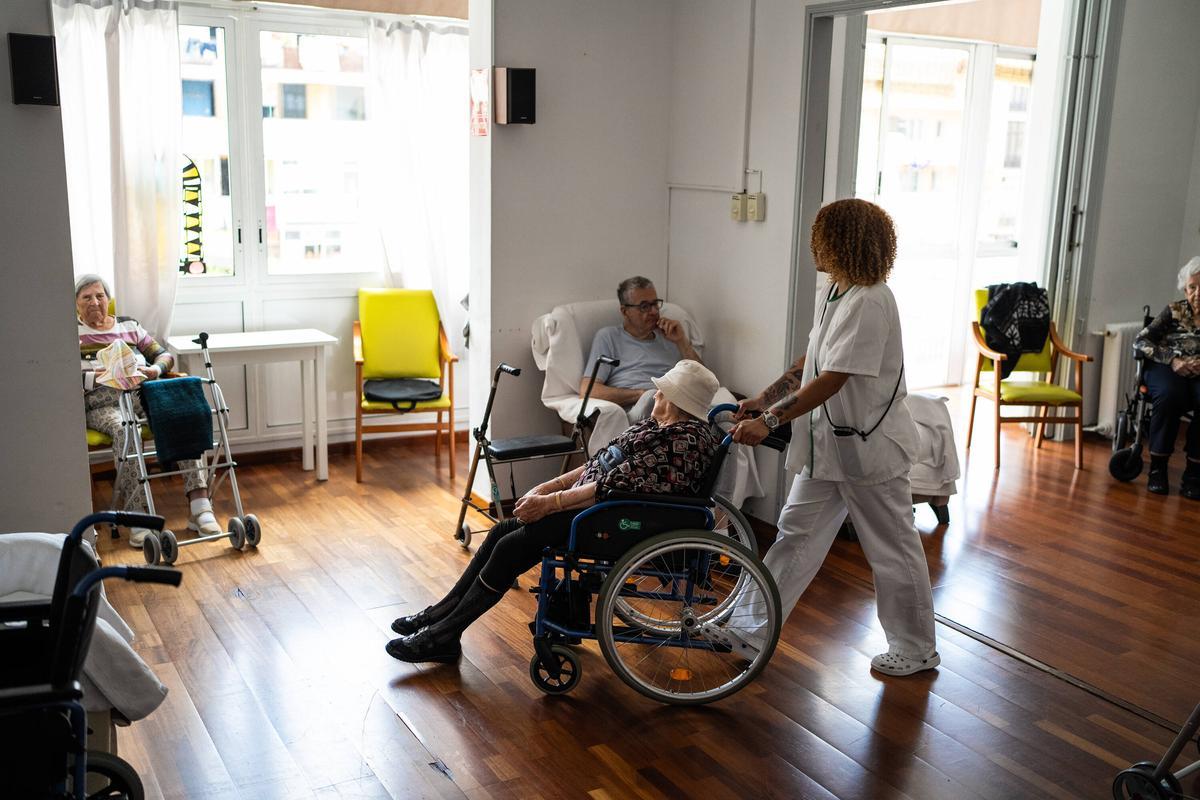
(852, 438)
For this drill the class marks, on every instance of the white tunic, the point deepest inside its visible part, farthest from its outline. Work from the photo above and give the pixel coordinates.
(857, 332)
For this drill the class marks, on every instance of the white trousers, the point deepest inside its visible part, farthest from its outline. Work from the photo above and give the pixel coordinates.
(882, 516)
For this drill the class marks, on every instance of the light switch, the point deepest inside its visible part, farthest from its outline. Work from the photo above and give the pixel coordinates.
(756, 207)
(737, 207)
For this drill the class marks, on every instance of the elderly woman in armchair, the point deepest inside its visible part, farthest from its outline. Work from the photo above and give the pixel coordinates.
(99, 330)
(1171, 344)
(666, 453)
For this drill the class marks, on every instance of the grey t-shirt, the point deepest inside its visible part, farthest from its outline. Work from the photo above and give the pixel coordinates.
(640, 359)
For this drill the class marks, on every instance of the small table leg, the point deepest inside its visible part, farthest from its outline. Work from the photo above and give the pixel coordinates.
(306, 411)
(322, 426)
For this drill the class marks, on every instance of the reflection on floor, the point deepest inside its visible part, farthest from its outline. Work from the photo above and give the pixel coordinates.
(281, 688)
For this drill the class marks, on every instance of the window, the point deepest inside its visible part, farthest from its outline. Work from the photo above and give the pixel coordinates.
(267, 190)
(1014, 144)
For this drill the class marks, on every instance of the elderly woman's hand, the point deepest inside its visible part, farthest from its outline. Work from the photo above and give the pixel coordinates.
(150, 373)
(1186, 367)
(533, 507)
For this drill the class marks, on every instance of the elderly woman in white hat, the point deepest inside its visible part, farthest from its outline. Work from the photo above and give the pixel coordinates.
(667, 453)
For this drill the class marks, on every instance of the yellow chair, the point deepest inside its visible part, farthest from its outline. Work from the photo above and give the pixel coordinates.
(1036, 393)
(399, 334)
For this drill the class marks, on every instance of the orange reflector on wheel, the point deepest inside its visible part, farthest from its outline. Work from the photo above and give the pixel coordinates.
(724, 560)
(681, 674)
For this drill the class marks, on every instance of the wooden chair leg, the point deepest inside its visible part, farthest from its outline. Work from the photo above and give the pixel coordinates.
(971, 419)
(358, 434)
(437, 439)
(1041, 427)
(1079, 439)
(450, 431)
(997, 437)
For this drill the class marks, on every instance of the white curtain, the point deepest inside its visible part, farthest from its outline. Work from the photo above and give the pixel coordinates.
(418, 109)
(121, 101)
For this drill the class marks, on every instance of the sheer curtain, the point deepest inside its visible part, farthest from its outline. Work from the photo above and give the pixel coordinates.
(418, 107)
(121, 100)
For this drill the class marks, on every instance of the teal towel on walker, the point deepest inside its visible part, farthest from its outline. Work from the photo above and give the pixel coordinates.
(179, 417)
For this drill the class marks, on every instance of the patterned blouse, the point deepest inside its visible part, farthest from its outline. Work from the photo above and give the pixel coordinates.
(1172, 334)
(670, 459)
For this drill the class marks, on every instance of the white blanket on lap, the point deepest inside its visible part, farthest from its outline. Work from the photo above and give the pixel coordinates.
(114, 675)
(561, 341)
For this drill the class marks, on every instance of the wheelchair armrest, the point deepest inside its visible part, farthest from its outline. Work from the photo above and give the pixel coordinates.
(639, 497)
(21, 698)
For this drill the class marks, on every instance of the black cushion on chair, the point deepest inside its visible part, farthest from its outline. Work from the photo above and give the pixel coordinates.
(529, 447)
(402, 393)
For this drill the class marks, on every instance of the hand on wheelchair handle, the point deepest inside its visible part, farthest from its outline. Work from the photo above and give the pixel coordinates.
(749, 407)
(750, 432)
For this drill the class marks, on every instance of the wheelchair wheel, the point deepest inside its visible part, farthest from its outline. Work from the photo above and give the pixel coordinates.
(170, 547)
(253, 530)
(1137, 783)
(569, 671)
(1121, 432)
(111, 778)
(686, 586)
(728, 521)
(1126, 464)
(237, 533)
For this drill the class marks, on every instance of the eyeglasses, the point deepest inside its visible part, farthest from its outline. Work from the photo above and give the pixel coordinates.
(644, 307)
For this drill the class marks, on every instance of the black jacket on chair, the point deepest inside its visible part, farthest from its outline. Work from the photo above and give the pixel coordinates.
(1015, 320)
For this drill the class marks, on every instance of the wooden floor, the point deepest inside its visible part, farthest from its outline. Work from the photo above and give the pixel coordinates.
(280, 686)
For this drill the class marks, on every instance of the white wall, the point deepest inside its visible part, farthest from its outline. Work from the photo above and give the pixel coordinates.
(1149, 172)
(578, 200)
(44, 481)
(1189, 245)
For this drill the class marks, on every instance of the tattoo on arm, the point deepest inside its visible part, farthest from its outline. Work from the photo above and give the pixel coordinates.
(788, 383)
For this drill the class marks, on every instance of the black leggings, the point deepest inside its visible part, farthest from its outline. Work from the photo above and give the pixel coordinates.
(512, 548)
(1173, 396)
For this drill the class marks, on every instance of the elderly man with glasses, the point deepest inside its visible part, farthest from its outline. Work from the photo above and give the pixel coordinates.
(646, 344)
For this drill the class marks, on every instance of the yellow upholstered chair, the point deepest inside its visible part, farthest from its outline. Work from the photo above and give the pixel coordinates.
(399, 334)
(1036, 393)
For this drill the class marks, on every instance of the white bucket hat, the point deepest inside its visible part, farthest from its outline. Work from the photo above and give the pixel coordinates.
(689, 385)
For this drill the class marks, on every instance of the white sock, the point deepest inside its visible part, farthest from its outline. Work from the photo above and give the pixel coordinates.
(202, 511)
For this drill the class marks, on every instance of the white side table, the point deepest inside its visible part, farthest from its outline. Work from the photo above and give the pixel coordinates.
(306, 345)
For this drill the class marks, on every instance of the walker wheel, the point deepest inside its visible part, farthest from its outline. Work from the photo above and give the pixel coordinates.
(569, 670)
(152, 548)
(253, 530)
(170, 547)
(1137, 783)
(237, 533)
(463, 535)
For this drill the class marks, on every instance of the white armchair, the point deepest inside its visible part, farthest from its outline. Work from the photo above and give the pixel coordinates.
(561, 342)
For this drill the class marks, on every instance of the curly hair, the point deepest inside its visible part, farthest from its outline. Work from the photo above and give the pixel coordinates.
(854, 241)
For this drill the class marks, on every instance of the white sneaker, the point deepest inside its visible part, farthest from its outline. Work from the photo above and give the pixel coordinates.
(205, 524)
(895, 664)
(137, 536)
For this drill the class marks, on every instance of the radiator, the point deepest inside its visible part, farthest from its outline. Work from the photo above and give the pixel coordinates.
(1117, 369)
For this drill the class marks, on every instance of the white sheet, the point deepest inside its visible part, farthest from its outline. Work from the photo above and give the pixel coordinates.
(935, 468)
(114, 675)
(560, 343)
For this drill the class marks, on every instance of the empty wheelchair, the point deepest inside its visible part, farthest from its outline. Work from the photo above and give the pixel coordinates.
(43, 723)
(665, 585)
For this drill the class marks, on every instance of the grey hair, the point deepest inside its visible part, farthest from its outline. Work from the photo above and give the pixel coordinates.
(1189, 269)
(84, 281)
(629, 284)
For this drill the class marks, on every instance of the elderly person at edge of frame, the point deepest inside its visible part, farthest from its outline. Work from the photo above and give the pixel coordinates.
(666, 453)
(646, 343)
(99, 330)
(1171, 344)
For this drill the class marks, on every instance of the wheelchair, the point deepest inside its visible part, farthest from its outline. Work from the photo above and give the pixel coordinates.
(1133, 422)
(666, 586)
(1149, 780)
(43, 724)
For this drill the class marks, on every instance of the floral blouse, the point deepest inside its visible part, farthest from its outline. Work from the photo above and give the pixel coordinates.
(1172, 334)
(658, 459)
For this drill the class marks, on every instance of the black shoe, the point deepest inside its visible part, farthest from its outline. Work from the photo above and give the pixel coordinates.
(1190, 487)
(414, 622)
(424, 647)
(1158, 482)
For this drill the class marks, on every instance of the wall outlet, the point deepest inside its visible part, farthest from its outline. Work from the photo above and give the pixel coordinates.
(737, 207)
(756, 207)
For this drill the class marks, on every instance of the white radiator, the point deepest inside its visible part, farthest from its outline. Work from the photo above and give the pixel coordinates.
(1117, 369)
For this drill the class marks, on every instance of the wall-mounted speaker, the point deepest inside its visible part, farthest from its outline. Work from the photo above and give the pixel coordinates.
(516, 96)
(34, 69)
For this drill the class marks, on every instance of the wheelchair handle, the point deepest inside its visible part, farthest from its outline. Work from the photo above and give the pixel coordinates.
(136, 574)
(720, 409)
(612, 362)
(772, 441)
(514, 371)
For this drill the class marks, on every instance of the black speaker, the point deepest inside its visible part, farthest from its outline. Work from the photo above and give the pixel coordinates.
(34, 69)
(516, 96)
